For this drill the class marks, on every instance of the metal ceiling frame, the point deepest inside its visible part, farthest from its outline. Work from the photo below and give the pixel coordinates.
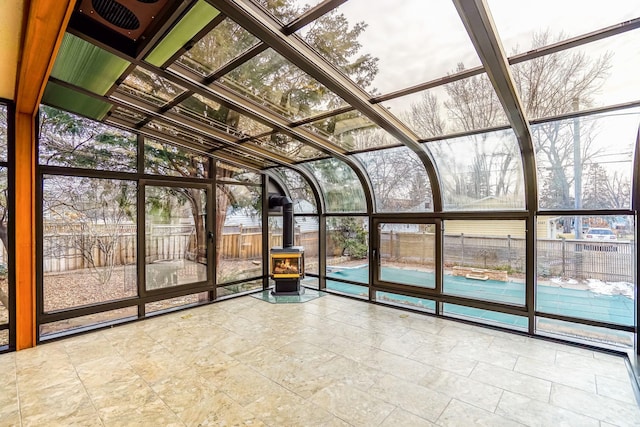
(293, 48)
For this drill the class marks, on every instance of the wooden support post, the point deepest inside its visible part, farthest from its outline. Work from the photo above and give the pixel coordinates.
(43, 28)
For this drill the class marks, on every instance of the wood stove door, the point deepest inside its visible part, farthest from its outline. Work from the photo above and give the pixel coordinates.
(177, 245)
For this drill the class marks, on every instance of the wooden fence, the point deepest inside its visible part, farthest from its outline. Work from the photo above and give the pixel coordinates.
(63, 248)
(70, 248)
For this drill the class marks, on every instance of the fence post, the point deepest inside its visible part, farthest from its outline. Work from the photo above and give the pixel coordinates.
(462, 248)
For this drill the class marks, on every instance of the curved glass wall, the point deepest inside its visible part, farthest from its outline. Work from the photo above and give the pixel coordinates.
(340, 186)
(589, 156)
(303, 200)
(480, 172)
(399, 179)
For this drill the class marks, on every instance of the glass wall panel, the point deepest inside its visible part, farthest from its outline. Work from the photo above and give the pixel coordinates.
(176, 303)
(340, 185)
(175, 236)
(4, 252)
(408, 253)
(590, 156)
(399, 300)
(90, 321)
(348, 289)
(239, 231)
(383, 52)
(226, 41)
(348, 248)
(3, 133)
(485, 260)
(587, 273)
(69, 140)
(486, 316)
(519, 23)
(581, 78)
(461, 106)
(88, 242)
(168, 160)
(238, 288)
(480, 172)
(4, 338)
(300, 190)
(283, 88)
(585, 334)
(399, 179)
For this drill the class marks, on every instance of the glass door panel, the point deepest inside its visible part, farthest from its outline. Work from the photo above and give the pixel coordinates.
(176, 242)
(407, 253)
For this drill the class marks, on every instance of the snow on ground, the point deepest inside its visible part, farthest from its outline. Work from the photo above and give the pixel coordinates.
(595, 286)
(611, 288)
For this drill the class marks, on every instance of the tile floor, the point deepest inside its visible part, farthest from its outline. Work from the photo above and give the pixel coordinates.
(327, 362)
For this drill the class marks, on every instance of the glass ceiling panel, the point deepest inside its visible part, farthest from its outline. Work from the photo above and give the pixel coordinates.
(226, 41)
(276, 83)
(598, 74)
(300, 190)
(149, 87)
(387, 45)
(229, 172)
(399, 179)
(87, 66)
(127, 115)
(480, 172)
(341, 188)
(175, 132)
(287, 11)
(465, 105)
(285, 145)
(70, 100)
(520, 23)
(604, 169)
(352, 131)
(195, 20)
(218, 116)
(241, 155)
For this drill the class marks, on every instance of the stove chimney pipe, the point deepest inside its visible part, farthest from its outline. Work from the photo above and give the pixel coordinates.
(287, 217)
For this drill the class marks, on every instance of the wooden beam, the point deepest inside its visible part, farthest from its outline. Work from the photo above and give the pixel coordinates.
(44, 25)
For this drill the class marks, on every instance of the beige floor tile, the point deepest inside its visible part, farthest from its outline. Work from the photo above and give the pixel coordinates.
(578, 378)
(329, 362)
(604, 367)
(599, 407)
(465, 389)
(415, 398)
(616, 389)
(401, 418)
(459, 414)
(515, 382)
(352, 405)
(540, 414)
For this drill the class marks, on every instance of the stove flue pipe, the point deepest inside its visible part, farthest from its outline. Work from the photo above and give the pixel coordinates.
(287, 217)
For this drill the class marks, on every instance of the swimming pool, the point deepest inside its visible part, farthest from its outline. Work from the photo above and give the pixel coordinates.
(584, 304)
